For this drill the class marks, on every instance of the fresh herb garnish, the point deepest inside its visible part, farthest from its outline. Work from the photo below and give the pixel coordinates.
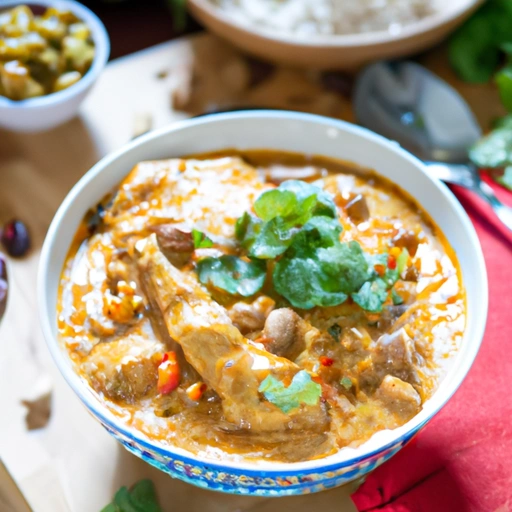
(335, 332)
(296, 225)
(396, 298)
(504, 78)
(315, 275)
(346, 382)
(476, 47)
(201, 241)
(372, 295)
(281, 213)
(140, 498)
(476, 51)
(302, 390)
(232, 274)
(495, 149)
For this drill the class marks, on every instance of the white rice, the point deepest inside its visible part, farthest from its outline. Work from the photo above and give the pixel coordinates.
(313, 17)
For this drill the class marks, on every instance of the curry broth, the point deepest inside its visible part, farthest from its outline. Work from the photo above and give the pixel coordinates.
(375, 369)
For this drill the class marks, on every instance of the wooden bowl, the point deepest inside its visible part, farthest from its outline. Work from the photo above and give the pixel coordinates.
(338, 51)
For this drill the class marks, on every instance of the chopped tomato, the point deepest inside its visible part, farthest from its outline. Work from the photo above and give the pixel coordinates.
(391, 262)
(326, 361)
(195, 392)
(168, 374)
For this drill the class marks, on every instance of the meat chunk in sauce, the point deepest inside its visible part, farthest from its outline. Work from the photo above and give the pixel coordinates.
(226, 360)
(125, 369)
(399, 397)
(284, 333)
(394, 355)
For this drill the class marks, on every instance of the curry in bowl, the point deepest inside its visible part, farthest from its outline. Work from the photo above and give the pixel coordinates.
(260, 304)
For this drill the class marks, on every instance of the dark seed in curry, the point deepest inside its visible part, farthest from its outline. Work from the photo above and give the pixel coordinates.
(15, 239)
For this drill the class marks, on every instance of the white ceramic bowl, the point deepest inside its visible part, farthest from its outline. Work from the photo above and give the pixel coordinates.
(45, 112)
(291, 132)
(337, 51)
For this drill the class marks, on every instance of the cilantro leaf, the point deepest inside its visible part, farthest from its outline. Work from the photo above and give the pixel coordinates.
(335, 332)
(302, 390)
(504, 83)
(274, 238)
(232, 274)
(247, 228)
(310, 275)
(372, 295)
(201, 240)
(396, 298)
(281, 214)
(140, 498)
(346, 382)
(275, 203)
(311, 200)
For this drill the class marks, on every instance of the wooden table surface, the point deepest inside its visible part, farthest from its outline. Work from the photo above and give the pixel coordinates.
(73, 464)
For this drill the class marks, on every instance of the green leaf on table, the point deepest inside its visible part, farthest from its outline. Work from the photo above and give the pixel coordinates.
(475, 48)
(178, 10)
(302, 390)
(140, 498)
(495, 149)
(504, 82)
(232, 274)
(201, 241)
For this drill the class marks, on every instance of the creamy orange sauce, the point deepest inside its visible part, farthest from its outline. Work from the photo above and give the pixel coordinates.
(384, 365)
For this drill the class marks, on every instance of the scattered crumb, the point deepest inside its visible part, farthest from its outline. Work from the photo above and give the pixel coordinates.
(39, 411)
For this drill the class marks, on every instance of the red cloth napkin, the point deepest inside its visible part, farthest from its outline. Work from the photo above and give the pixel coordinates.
(462, 460)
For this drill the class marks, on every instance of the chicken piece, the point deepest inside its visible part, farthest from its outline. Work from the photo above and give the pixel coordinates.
(125, 369)
(394, 356)
(226, 361)
(399, 397)
(186, 193)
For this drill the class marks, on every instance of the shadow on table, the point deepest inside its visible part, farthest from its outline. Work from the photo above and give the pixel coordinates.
(177, 496)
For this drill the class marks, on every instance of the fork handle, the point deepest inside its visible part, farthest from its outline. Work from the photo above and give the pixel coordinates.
(503, 212)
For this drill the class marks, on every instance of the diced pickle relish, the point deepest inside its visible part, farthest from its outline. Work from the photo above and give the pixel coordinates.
(44, 54)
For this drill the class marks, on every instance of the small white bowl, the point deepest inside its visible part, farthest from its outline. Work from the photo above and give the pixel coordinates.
(45, 112)
(343, 51)
(287, 131)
